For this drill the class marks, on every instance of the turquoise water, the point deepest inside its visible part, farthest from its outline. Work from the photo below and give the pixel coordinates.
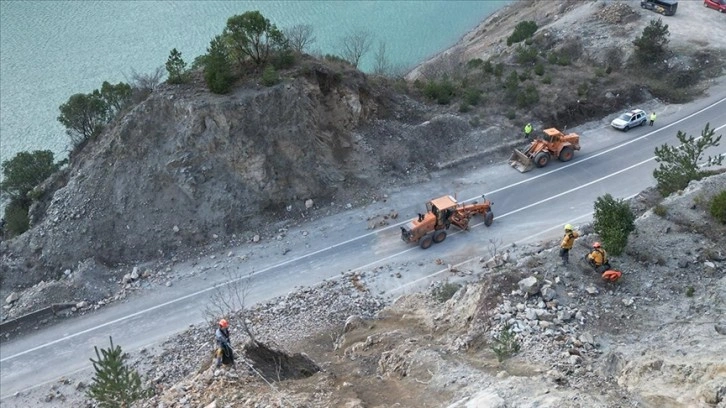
(50, 50)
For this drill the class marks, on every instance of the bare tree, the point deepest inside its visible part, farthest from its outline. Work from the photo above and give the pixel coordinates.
(147, 81)
(356, 44)
(382, 65)
(299, 36)
(449, 64)
(228, 299)
(144, 84)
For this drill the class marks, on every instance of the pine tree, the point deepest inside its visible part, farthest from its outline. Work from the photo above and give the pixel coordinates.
(176, 67)
(115, 385)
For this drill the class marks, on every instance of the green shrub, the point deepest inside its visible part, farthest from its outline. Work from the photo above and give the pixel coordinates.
(505, 344)
(679, 165)
(475, 63)
(718, 207)
(539, 69)
(441, 91)
(269, 76)
(652, 43)
(690, 291)
(217, 67)
(547, 79)
(475, 121)
(464, 107)
(16, 218)
(498, 70)
(583, 89)
(445, 292)
(283, 60)
(526, 55)
(525, 75)
(511, 114)
(523, 30)
(418, 84)
(601, 72)
(660, 210)
(528, 96)
(613, 222)
(472, 96)
(488, 67)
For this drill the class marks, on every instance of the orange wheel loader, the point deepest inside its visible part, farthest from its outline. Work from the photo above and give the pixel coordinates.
(554, 144)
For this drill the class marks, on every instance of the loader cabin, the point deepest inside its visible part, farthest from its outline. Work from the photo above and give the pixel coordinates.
(665, 7)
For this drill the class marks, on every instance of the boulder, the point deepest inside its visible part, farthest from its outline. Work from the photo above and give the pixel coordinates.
(529, 285)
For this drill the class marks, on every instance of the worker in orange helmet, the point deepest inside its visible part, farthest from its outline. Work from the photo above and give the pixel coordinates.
(598, 258)
(224, 352)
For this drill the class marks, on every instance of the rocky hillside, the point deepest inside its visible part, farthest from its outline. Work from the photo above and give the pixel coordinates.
(655, 338)
(186, 169)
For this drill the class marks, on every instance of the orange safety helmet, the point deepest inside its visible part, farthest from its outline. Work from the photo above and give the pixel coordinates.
(223, 324)
(596, 245)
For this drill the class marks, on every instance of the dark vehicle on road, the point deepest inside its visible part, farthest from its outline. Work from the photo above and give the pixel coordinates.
(665, 7)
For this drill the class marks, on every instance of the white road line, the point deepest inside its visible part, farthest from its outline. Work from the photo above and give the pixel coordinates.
(190, 295)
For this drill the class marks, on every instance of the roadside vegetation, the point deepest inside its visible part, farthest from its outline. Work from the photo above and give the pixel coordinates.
(683, 163)
(115, 384)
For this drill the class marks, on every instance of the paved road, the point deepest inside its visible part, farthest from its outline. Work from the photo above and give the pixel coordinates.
(528, 208)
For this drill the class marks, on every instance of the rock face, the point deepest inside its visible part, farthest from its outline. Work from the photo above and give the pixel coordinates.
(185, 166)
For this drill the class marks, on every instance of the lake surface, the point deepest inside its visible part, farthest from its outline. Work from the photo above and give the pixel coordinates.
(50, 50)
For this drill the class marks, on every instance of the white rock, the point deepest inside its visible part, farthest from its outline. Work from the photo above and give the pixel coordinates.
(175, 229)
(628, 301)
(587, 338)
(256, 238)
(529, 285)
(82, 305)
(135, 273)
(13, 297)
(309, 203)
(710, 264)
(591, 290)
(485, 399)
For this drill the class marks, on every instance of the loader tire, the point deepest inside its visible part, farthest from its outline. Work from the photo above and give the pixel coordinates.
(566, 154)
(541, 159)
(439, 236)
(488, 218)
(426, 242)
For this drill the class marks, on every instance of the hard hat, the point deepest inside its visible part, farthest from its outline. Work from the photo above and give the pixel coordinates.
(223, 324)
(568, 227)
(596, 245)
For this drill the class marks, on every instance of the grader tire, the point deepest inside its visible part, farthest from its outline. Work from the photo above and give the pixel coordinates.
(439, 236)
(426, 242)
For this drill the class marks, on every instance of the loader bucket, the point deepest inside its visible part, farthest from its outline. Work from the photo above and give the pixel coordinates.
(521, 162)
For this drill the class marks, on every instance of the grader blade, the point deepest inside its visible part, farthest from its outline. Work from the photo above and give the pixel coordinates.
(521, 161)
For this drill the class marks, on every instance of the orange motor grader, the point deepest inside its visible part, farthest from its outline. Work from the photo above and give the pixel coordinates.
(441, 213)
(554, 144)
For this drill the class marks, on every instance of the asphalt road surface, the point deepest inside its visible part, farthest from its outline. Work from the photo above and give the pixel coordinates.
(528, 208)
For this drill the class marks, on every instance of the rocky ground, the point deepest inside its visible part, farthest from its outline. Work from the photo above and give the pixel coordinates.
(655, 338)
